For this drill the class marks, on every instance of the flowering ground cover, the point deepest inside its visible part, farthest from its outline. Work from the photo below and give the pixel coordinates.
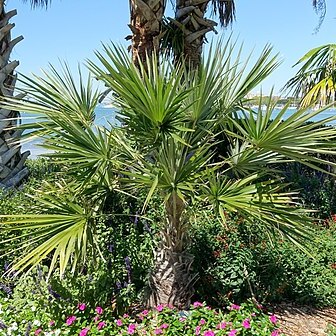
(200, 319)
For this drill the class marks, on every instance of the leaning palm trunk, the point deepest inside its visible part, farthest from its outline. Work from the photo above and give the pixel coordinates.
(171, 281)
(146, 22)
(12, 169)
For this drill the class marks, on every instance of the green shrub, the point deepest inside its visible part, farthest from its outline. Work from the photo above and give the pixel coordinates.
(239, 261)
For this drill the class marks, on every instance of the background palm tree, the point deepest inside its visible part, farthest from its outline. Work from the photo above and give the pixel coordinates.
(190, 20)
(186, 33)
(146, 26)
(12, 169)
(315, 82)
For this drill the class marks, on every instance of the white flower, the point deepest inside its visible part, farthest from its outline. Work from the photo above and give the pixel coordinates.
(36, 323)
(14, 326)
(57, 332)
(33, 308)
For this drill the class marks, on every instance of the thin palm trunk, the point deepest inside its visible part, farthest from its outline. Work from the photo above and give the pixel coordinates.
(12, 169)
(171, 281)
(146, 23)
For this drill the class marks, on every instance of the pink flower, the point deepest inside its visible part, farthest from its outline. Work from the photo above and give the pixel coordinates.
(101, 325)
(233, 332)
(197, 304)
(96, 318)
(70, 320)
(253, 314)
(160, 307)
(37, 331)
(197, 330)
(125, 316)
(273, 319)
(246, 324)
(81, 306)
(119, 323)
(164, 326)
(52, 323)
(222, 325)
(209, 333)
(99, 310)
(145, 312)
(234, 307)
(275, 332)
(131, 329)
(157, 331)
(202, 322)
(84, 332)
(182, 319)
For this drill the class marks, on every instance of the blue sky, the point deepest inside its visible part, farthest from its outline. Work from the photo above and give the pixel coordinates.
(71, 30)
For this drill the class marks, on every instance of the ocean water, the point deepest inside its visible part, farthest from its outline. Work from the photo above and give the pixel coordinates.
(106, 116)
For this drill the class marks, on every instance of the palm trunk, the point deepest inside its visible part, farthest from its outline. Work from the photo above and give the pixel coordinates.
(171, 281)
(12, 169)
(190, 17)
(146, 23)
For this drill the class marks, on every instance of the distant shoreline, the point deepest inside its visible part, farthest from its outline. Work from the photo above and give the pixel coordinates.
(105, 114)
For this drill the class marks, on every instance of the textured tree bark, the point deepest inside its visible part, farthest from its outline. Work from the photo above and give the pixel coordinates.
(171, 281)
(190, 19)
(12, 170)
(146, 23)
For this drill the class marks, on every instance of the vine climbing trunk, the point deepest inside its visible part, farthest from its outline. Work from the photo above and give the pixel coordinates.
(12, 169)
(146, 24)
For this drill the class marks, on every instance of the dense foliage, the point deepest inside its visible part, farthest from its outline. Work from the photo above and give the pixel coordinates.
(137, 212)
(240, 261)
(234, 263)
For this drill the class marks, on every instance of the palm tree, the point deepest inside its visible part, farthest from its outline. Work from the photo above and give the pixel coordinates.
(12, 169)
(190, 20)
(146, 26)
(315, 81)
(165, 144)
(190, 25)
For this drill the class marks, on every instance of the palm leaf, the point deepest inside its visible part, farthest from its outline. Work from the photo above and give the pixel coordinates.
(259, 202)
(65, 236)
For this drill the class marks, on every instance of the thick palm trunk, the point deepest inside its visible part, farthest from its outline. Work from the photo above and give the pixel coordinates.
(171, 281)
(190, 17)
(12, 169)
(146, 22)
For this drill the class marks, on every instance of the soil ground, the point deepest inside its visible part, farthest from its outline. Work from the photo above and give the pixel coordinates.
(304, 320)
